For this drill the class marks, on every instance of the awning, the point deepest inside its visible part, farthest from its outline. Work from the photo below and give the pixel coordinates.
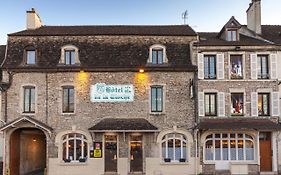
(236, 124)
(18, 121)
(123, 125)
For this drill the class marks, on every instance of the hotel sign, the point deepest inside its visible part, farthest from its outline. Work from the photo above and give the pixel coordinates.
(102, 92)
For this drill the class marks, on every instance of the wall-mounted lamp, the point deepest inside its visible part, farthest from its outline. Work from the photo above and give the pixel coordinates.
(141, 70)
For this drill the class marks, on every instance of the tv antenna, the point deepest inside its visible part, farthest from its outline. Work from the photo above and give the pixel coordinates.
(185, 17)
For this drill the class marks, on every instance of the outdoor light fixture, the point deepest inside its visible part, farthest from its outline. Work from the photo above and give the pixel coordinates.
(34, 140)
(141, 70)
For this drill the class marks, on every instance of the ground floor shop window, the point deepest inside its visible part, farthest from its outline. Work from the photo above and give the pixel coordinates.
(229, 146)
(174, 148)
(75, 148)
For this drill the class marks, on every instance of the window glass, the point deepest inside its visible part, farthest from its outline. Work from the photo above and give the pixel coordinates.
(210, 104)
(30, 57)
(69, 57)
(249, 150)
(210, 67)
(217, 149)
(263, 104)
(209, 153)
(156, 99)
(225, 149)
(232, 35)
(157, 56)
(236, 67)
(174, 147)
(240, 150)
(68, 99)
(263, 72)
(237, 103)
(29, 99)
(233, 150)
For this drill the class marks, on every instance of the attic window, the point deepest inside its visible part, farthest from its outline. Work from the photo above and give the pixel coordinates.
(30, 57)
(69, 55)
(157, 54)
(231, 35)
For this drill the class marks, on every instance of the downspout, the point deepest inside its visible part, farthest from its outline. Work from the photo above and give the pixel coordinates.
(196, 150)
(47, 98)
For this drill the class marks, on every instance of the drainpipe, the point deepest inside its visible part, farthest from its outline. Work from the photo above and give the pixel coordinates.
(196, 150)
(47, 98)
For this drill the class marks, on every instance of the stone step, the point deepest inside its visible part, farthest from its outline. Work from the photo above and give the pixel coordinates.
(223, 172)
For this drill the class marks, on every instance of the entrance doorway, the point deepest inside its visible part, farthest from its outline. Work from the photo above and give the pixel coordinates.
(136, 154)
(27, 152)
(265, 151)
(110, 152)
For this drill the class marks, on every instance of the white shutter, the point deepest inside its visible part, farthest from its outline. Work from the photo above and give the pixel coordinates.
(201, 105)
(275, 104)
(273, 59)
(254, 73)
(221, 103)
(200, 62)
(220, 66)
(254, 104)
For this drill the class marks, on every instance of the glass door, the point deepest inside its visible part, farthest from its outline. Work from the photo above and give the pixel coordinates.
(136, 154)
(110, 152)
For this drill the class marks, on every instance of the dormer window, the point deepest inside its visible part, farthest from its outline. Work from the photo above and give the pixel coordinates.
(157, 55)
(30, 57)
(69, 55)
(232, 35)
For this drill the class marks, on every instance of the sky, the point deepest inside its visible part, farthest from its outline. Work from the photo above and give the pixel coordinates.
(203, 15)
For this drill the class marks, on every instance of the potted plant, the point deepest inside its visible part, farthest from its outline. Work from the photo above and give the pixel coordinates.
(167, 160)
(82, 159)
(182, 160)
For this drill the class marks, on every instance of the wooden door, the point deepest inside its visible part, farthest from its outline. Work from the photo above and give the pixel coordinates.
(265, 152)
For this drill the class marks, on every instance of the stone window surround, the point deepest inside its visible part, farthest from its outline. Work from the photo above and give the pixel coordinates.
(59, 143)
(69, 47)
(251, 133)
(21, 106)
(164, 98)
(242, 91)
(26, 49)
(157, 46)
(175, 130)
(243, 64)
(60, 100)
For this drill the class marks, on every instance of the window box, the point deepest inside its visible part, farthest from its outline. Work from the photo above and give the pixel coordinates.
(167, 160)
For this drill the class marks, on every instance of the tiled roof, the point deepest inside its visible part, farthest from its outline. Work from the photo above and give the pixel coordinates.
(237, 124)
(212, 39)
(272, 33)
(124, 124)
(98, 53)
(142, 30)
(2, 53)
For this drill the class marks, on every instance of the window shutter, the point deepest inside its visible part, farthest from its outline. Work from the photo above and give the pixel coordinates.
(273, 59)
(254, 104)
(275, 104)
(221, 104)
(254, 73)
(200, 62)
(201, 105)
(220, 66)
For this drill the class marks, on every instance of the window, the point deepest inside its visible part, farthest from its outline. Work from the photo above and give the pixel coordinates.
(229, 146)
(156, 99)
(210, 104)
(30, 57)
(231, 35)
(68, 99)
(69, 56)
(75, 147)
(174, 148)
(237, 104)
(236, 67)
(210, 67)
(157, 56)
(263, 104)
(29, 99)
(262, 62)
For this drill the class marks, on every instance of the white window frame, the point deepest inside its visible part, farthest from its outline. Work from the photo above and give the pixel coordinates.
(157, 46)
(68, 48)
(83, 139)
(229, 140)
(165, 140)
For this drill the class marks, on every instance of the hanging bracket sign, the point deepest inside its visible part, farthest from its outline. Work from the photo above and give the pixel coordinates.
(102, 92)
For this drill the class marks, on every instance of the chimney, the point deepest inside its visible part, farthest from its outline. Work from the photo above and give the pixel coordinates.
(33, 20)
(254, 16)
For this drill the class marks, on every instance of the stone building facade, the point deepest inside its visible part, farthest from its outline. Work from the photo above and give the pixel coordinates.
(238, 97)
(99, 100)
